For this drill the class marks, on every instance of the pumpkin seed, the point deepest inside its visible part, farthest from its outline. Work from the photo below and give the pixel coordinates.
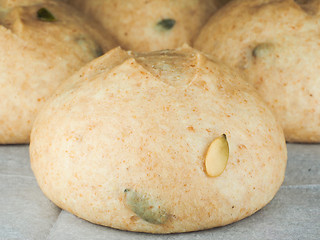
(43, 14)
(145, 207)
(217, 156)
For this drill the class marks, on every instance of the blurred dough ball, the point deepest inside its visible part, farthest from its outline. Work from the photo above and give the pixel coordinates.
(277, 45)
(40, 46)
(150, 25)
(123, 143)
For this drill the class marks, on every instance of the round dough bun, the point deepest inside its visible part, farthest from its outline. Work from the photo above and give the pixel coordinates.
(276, 44)
(150, 25)
(36, 55)
(123, 143)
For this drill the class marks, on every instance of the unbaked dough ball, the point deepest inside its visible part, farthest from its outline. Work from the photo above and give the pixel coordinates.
(150, 25)
(277, 45)
(131, 142)
(40, 46)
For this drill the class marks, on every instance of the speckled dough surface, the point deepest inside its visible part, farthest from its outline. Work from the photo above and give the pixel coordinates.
(4, 4)
(277, 45)
(150, 25)
(123, 142)
(36, 54)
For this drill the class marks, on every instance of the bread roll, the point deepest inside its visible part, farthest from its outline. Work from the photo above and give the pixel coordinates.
(150, 25)
(276, 44)
(158, 142)
(40, 46)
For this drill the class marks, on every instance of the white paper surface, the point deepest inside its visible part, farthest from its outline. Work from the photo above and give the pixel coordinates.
(25, 213)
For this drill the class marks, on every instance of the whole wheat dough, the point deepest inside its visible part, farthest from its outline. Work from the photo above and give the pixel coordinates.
(36, 55)
(150, 25)
(277, 45)
(123, 143)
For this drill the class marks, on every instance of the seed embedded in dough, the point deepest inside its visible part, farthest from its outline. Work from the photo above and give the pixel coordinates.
(217, 156)
(262, 50)
(165, 24)
(145, 207)
(45, 15)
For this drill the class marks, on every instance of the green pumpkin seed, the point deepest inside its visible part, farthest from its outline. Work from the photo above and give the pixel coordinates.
(262, 49)
(145, 207)
(99, 51)
(43, 14)
(166, 24)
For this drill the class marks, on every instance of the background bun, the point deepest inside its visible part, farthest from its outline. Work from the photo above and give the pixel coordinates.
(150, 25)
(40, 46)
(277, 45)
